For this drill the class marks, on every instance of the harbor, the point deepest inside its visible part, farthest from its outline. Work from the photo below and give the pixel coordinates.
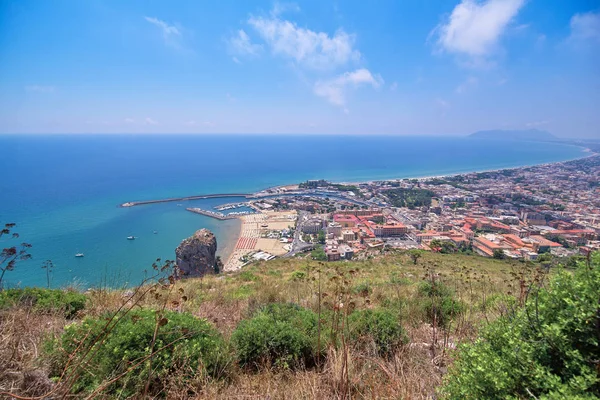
(217, 215)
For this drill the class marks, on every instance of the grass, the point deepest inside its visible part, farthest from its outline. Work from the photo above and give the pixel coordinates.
(389, 281)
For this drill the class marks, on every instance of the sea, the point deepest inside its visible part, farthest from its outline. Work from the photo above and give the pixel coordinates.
(64, 191)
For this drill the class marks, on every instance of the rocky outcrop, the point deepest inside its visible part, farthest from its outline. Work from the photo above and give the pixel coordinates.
(196, 255)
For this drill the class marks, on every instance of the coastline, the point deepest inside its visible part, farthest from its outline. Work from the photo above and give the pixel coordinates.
(453, 174)
(229, 262)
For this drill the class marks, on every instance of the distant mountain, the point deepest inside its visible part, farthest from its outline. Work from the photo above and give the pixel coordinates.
(531, 134)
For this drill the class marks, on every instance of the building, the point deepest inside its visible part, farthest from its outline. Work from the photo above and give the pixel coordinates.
(389, 230)
(333, 254)
(346, 221)
(486, 247)
(533, 218)
(313, 226)
(348, 236)
(335, 229)
(346, 252)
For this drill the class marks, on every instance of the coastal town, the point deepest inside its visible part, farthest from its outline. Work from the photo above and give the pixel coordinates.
(527, 213)
(522, 213)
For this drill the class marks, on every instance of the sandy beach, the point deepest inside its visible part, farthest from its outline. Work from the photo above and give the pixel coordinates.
(253, 230)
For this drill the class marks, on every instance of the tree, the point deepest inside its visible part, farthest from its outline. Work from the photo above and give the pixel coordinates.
(319, 254)
(498, 254)
(414, 255)
(321, 237)
(10, 255)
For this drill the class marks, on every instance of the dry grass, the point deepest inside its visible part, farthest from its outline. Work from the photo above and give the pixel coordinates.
(21, 335)
(413, 372)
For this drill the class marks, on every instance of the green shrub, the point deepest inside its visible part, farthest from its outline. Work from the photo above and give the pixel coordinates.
(381, 327)
(549, 349)
(43, 300)
(185, 346)
(443, 309)
(438, 289)
(283, 335)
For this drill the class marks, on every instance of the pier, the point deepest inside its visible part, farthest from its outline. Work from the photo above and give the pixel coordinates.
(199, 197)
(208, 213)
(231, 206)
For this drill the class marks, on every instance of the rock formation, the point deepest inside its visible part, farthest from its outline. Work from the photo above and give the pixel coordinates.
(195, 256)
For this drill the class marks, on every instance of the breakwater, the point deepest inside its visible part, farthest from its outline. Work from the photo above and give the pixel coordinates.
(199, 197)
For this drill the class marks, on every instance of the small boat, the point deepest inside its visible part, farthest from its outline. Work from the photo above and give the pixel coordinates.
(130, 237)
(79, 255)
(155, 232)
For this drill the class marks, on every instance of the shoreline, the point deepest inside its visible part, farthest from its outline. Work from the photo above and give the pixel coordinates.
(256, 195)
(422, 178)
(453, 174)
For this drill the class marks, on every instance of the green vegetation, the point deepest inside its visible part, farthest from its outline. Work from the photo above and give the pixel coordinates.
(321, 237)
(299, 328)
(443, 246)
(67, 302)
(318, 254)
(380, 327)
(549, 349)
(281, 335)
(410, 198)
(141, 348)
(321, 183)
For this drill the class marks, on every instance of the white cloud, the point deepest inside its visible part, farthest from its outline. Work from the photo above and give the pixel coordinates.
(334, 90)
(586, 26)
(474, 27)
(316, 50)
(167, 30)
(209, 124)
(469, 83)
(39, 88)
(171, 33)
(150, 121)
(235, 60)
(129, 120)
(394, 86)
(242, 45)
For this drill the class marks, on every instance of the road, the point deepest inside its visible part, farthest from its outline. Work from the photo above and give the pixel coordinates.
(298, 246)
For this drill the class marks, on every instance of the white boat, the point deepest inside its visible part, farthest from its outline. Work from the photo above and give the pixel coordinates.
(79, 255)
(130, 237)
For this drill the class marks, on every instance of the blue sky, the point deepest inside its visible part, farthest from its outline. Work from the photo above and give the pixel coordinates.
(410, 67)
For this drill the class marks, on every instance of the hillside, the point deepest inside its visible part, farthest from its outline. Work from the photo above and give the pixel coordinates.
(531, 134)
(386, 327)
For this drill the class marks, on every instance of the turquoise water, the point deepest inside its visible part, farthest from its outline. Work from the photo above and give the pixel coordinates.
(63, 190)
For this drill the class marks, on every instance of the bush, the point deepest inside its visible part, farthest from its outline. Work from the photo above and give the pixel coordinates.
(283, 335)
(440, 303)
(184, 347)
(443, 309)
(380, 327)
(438, 289)
(549, 349)
(42, 300)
